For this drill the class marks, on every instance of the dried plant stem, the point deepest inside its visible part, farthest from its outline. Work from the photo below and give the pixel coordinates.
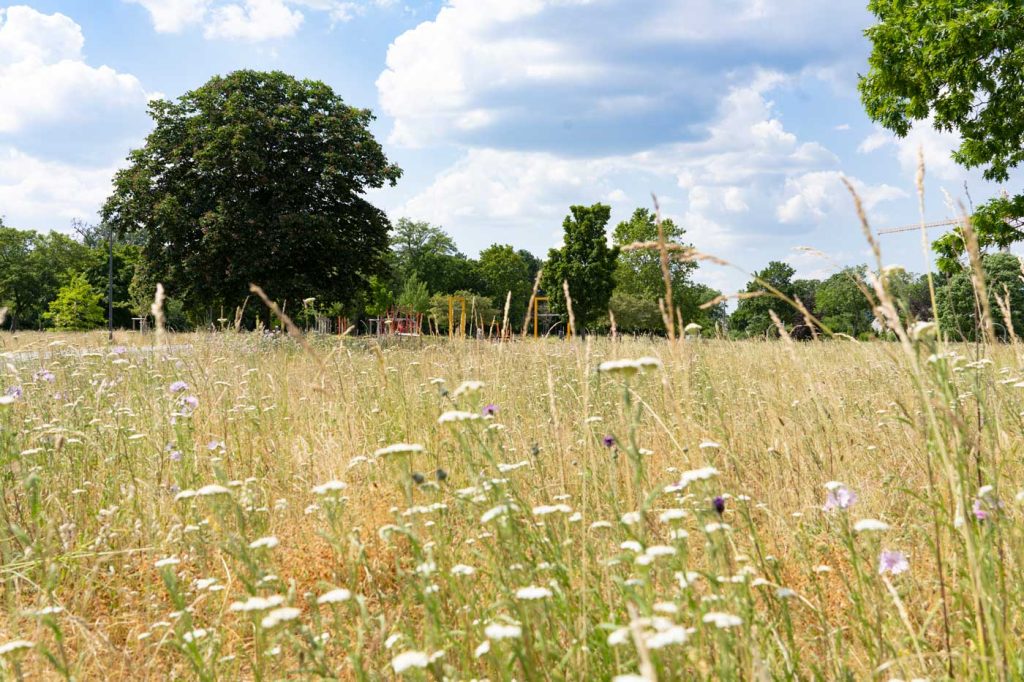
(158, 313)
(568, 307)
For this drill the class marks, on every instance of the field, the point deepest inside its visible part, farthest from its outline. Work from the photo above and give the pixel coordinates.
(240, 507)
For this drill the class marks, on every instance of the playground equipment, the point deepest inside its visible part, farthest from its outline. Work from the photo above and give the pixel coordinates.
(396, 321)
(550, 320)
(452, 300)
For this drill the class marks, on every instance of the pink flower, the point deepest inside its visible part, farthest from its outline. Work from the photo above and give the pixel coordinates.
(893, 561)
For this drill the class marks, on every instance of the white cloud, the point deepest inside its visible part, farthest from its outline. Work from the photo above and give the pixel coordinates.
(938, 147)
(171, 16)
(44, 78)
(253, 21)
(33, 191)
(248, 20)
(820, 195)
(534, 64)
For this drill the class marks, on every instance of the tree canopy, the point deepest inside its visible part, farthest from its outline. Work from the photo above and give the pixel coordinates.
(957, 63)
(256, 177)
(586, 262)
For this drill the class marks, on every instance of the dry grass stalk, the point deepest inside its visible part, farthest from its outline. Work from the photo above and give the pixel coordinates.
(504, 322)
(925, 251)
(978, 276)
(568, 307)
(157, 309)
(292, 328)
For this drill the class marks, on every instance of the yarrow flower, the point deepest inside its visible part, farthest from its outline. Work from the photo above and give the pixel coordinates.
(497, 631)
(722, 620)
(892, 561)
(281, 615)
(335, 596)
(399, 449)
(256, 604)
(628, 368)
(532, 593)
(468, 387)
(329, 487)
(457, 416)
(409, 659)
(15, 645)
(870, 525)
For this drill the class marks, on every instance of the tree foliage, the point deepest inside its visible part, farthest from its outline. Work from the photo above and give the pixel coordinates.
(958, 305)
(77, 306)
(502, 270)
(586, 262)
(752, 316)
(957, 62)
(256, 177)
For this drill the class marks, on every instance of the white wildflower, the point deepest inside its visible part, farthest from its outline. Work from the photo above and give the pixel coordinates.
(532, 592)
(335, 596)
(409, 659)
(280, 615)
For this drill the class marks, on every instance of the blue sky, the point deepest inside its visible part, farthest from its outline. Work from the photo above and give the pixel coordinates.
(741, 115)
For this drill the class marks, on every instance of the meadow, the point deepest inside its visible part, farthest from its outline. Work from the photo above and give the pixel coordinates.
(237, 506)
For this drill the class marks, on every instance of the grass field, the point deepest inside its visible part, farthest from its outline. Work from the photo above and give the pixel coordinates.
(218, 511)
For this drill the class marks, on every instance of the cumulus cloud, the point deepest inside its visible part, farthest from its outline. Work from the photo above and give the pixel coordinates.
(33, 191)
(248, 20)
(821, 195)
(582, 74)
(44, 77)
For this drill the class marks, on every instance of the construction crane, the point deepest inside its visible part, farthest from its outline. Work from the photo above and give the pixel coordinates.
(917, 226)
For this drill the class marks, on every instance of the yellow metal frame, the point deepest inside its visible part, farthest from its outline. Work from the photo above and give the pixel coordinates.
(451, 315)
(536, 317)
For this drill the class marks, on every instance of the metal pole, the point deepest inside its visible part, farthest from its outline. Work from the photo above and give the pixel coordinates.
(110, 285)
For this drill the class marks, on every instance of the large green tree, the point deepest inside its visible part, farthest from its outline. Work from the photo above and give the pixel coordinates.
(503, 270)
(586, 262)
(841, 304)
(959, 63)
(256, 177)
(752, 316)
(958, 303)
(77, 306)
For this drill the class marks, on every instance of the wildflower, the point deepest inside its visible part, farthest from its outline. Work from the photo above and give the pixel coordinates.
(418, 478)
(215, 445)
(608, 441)
(256, 604)
(14, 392)
(672, 515)
(15, 645)
(212, 490)
(329, 487)
(722, 620)
(280, 615)
(409, 659)
(399, 449)
(532, 593)
(870, 525)
(838, 497)
(631, 518)
(269, 542)
(457, 416)
(6, 399)
(784, 593)
(468, 387)
(709, 445)
(482, 649)
(335, 596)
(719, 504)
(496, 631)
(441, 475)
(194, 635)
(631, 545)
(892, 561)
(692, 328)
(490, 409)
(462, 569)
(701, 474)
(674, 635)
(628, 368)
(545, 509)
(178, 387)
(168, 561)
(44, 375)
(494, 513)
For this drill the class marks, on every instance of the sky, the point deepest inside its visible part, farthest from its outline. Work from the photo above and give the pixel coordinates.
(741, 116)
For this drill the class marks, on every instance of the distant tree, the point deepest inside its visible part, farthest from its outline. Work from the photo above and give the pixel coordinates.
(256, 177)
(696, 295)
(379, 297)
(912, 294)
(639, 273)
(842, 306)
(957, 63)
(415, 297)
(634, 315)
(752, 316)
(430, 253)
(958, 307)
(19, 288)
(586, 262)
(533, 265)
(502, 269)
(77, 306)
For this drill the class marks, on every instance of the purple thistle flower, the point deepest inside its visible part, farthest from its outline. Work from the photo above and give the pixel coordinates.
(44, 375)
(490, 410)
(609, 441)
(892, 561)
(214, 444)
(178, 387)
(14, 392)
(175, 455)
(118, 350)
(840, 497)
(719, 504)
